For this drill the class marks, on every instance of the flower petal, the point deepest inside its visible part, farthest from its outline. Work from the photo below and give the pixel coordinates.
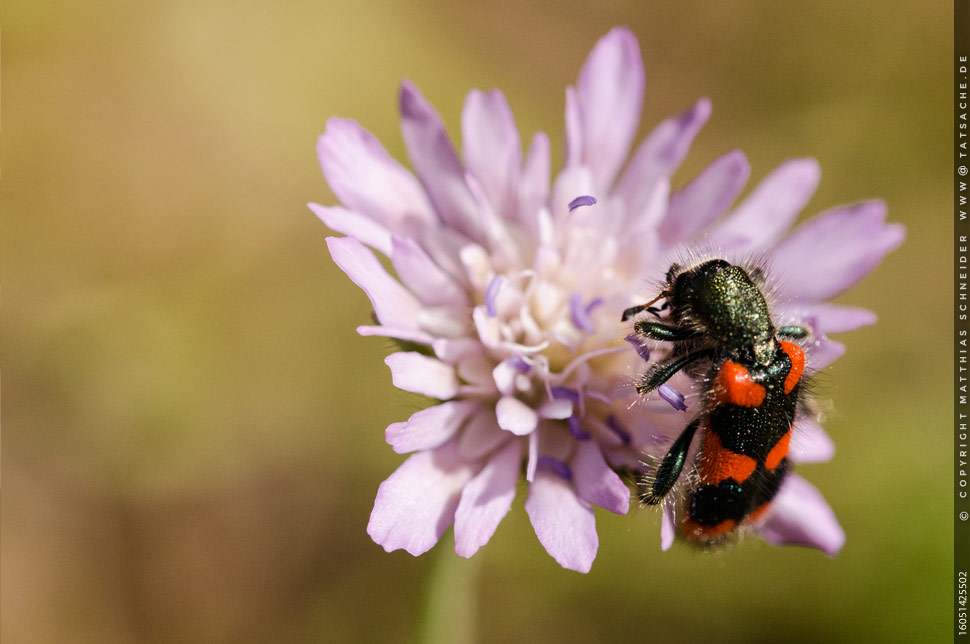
(412, 371)
(436, 162)
(429, 428)
(486, 500)
(832, 318)
(826, 318)
(354, 224)
(557, 409)
(423, 276)
(824, 352)
(564, 524)
(392, 303)
(800, 516)
(659, 155)
(481, 435)
(772, 206)
(368, 180)
(609, 100)
(810, 443)
(596, 482)
(411, 335)
(534, 184)
(515, 416)
(700, 202)
(813, 268)
(491, 145)
(417, 503)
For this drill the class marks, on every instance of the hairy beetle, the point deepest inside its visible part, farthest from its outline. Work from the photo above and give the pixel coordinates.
(721, 332)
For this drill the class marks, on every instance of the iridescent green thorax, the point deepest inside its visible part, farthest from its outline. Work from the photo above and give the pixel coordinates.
(723, 302)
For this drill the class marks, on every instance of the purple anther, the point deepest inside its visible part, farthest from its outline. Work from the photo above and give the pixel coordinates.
(582, 200)
(564, 393)
(617, 428)
(556, 466)
(672, 396)
(576, 430)
(642, 349)
(519, 364)
(580, 314)
(491, 293)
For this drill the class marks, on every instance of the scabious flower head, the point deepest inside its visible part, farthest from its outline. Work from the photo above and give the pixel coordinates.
(511, 282)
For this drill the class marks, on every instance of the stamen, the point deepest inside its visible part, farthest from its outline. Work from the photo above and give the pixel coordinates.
(642, 349)
(564, 393)
(580, 314)
(583, 200)
(491, 293)
(576, 430)
(556, 466)
(531, 463)
(672, 396)
(617, 428)
(578, 360)
(519, 364)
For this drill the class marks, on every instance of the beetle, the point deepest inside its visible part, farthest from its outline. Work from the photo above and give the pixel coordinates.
(721, 333)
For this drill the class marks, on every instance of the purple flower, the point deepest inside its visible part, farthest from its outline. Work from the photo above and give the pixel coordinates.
(511, 282)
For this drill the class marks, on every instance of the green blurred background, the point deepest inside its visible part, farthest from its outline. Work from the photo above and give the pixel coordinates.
(195, 432)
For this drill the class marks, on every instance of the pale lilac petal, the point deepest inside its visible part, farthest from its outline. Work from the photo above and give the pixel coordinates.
(668, 527)
(481, 435)
(486, 500)
(660, 154)
(429, 428)
(556, 409)
(610, 96)
(417, 503)
(368, 180)
(491, 145)
(504, 375)
(699, 203)
(412, 371)
(436, 162)
(826, 318)
(833, 318)
(810, 443)
(833, 251)
(393, 304)
(800, 516)
(772, 206)
(423, 276)
(573, 153)
(515, 416)
(563, 522)
(823, 353)
(354, 224)
(411, 335)
(569, 183)
(596, 482)
(453, 350)
(534, 184)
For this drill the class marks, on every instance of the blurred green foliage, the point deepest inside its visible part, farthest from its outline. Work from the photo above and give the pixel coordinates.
(194, 431)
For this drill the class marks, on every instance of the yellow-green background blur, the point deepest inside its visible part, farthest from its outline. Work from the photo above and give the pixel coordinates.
(195, 433)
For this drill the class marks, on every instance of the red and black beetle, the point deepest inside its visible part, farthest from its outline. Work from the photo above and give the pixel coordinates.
(722, 333)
